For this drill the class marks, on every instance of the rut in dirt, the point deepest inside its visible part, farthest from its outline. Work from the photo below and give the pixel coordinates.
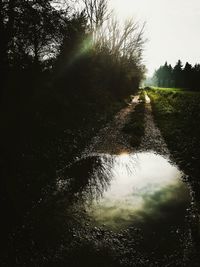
(113, 140)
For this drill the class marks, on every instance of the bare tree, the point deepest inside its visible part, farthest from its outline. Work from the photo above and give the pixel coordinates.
(122, 41)
(97, 12)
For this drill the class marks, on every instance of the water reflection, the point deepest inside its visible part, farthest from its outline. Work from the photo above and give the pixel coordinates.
(127, 189)
(141, 187)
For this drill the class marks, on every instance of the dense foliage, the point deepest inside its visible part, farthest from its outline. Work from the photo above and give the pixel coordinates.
(62, 78)
(178, 77)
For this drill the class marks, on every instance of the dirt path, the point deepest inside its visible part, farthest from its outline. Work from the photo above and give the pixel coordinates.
(131, 246)
(152, 139)
(111, 139)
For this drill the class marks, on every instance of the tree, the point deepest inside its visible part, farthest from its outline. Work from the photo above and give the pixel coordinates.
(187, 77)
(164, 75)
(187, 74)
(178, 74)
(195, 77)
(7, 19)
(31, 31)
(96, 12)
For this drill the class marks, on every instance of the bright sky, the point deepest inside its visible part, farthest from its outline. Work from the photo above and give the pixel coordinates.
(172, 30)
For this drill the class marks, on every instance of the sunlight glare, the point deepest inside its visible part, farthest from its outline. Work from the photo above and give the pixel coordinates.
(124, 156)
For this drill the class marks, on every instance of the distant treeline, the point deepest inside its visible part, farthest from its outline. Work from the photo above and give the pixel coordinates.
(180, 76)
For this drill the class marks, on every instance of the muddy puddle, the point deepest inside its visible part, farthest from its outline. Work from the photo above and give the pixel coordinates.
(143, 189)
(142, 193)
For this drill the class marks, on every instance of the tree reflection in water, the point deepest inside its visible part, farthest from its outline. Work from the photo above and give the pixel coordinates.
(120, 190)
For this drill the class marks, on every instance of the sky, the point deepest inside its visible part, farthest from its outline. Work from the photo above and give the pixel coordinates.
(172, 29)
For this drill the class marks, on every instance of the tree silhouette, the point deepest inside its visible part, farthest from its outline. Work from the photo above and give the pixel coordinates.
(179, 76)
(64, 74)
(187, 75)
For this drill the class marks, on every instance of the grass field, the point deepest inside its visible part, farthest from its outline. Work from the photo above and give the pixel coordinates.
(177, 114)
